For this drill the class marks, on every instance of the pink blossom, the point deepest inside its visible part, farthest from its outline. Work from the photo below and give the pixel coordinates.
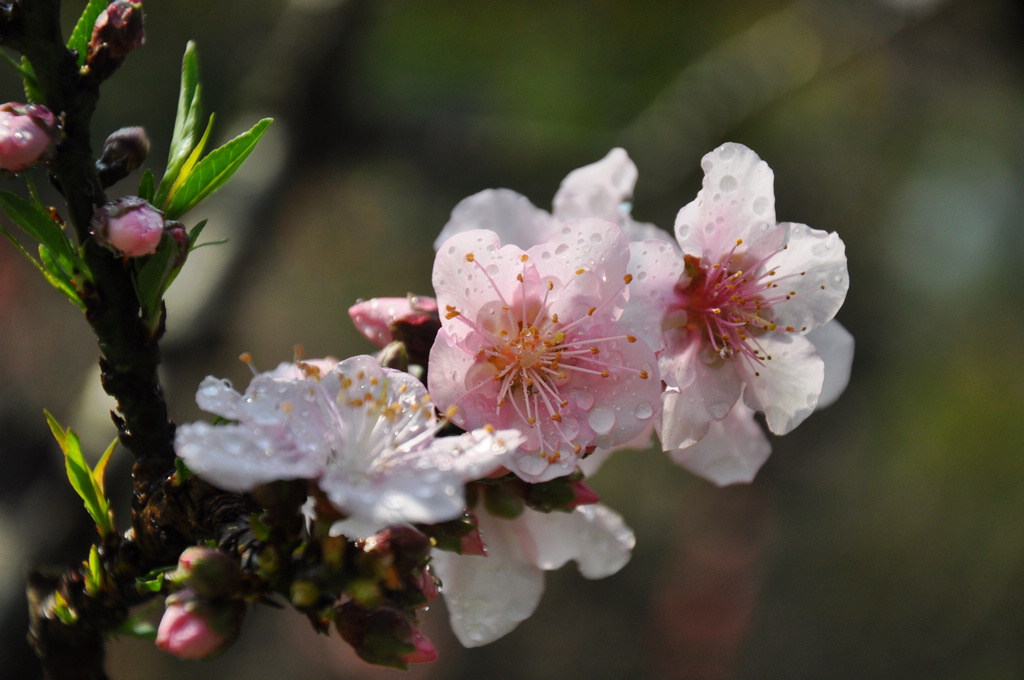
(487, 597)
(730, 310)
(603, 190)
(530, 341)
(365, 433)
(23, 139)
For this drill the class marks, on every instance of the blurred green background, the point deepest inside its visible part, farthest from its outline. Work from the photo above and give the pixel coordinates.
(883, 539)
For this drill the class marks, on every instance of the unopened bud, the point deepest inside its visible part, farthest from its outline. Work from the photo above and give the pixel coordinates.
(208, 572)
(124, 151)
(193, 628)
(386, 636)
(28, 133)
(412, 320)
(129, 226)
(118, 31)
(180, 236)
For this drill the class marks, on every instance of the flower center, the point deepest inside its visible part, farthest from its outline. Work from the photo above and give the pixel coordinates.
(729, 303)
(534, 357)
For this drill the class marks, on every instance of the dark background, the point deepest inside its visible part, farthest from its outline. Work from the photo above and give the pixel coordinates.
(883, 539)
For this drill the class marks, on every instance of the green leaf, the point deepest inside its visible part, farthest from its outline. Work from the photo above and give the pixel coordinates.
(186, 123)
(190, 162)
(213, 171)
(81, 477)
(153, 581)
(33, 94)
(57, 277)
(63, 610)
(146, 186)
(80, 37)
(101, 466)
(37, 223)
(151, 278)
(72, 295)
(93, 573)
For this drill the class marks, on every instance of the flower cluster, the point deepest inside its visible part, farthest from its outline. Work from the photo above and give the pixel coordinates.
(552, 340)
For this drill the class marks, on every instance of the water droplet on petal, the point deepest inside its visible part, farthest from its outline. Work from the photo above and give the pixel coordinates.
(728, 183)
(761, 205)
(601, 419)
(643, 411)
(719, 409)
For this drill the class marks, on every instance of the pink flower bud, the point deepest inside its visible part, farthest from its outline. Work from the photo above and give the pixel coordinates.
(208, 572)
(130, 226)
(194, 629)
(375, 317)
(424, 652)
(27, 133)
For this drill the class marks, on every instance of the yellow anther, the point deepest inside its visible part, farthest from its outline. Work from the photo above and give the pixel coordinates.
(628, 278)
(470, 257)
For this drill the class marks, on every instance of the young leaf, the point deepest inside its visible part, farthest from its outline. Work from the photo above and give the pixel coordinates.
(81, 477)
(33, 95)
(191, 161)
(147, 186)
(79, 41)
(101, 466)
(57, 277)
(186, 123)
(213, 171)
(63, 611)
(151, 277)
(93, 573)
(137, 627)
(37, 223)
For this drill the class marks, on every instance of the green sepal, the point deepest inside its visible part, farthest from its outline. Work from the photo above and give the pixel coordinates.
(147, 185)
(186, 123)
(93, 573)
(153, 582)
(80, 36)
(213, 171)
(83, 479)
(181, 473)
(448, 535)
(502, 502)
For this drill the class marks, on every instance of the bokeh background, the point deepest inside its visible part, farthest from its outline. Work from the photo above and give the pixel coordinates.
(883, 539)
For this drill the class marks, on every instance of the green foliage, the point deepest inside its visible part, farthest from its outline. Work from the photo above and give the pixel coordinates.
(79, 41)
(93, 573)
(137, 626)
(213, 171)
(63, 611)
(152, 278)
(87, 483)
(186, 123)
(147, 186)
(58, 261)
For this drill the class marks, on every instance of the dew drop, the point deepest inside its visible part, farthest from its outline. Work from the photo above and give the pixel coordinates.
(719, 409)
(728, 183)
(601, 420)
(683, 230)
(562, 247)
(761, 205)
(595, 238)
(643, 411)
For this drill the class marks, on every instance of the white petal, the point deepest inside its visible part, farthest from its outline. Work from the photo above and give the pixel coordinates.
(597, 190)
(594, 536)
(704, 388)
(787, 389)
(835, 347)
(503, 211)
(737, 201)
(812, 270)
(487, 597)
(732, 451)
(238, 458)
(656, 267)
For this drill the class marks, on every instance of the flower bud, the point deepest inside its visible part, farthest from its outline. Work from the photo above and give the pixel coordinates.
(118, 31)
(124, 151)
(208, 572)
(193, 628)
(412, 320)
(386, 636)
(27, 135)
(129, 226)
(177, 231)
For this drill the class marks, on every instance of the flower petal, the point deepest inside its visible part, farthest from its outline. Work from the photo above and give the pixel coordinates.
(510, 215)
(834, 345)
(595, 536)
(786, 386)
(737, 201)
(487, 597)
(597, 190)
(656, 267)
(732, 451)
(813, 269)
